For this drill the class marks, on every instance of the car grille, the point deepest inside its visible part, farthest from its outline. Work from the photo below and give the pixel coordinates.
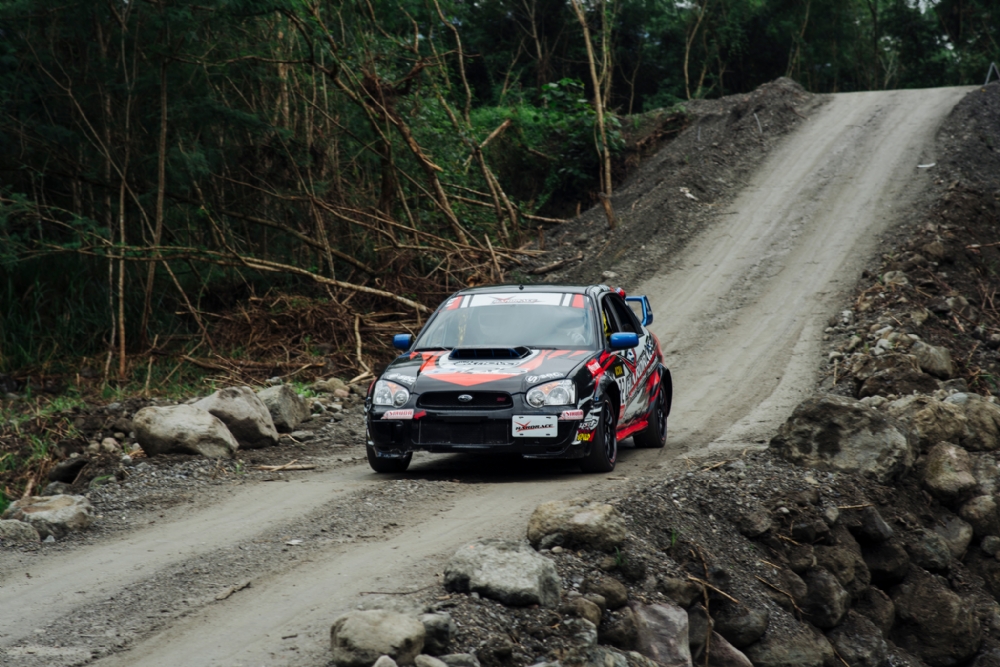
(487, 432)
(481, 400)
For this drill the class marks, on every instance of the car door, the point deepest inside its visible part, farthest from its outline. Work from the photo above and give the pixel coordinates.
(637, 363)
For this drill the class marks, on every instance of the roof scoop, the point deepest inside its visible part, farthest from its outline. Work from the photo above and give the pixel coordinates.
(472, 353)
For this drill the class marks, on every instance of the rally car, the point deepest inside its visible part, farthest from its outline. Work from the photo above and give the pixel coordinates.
(543, 371)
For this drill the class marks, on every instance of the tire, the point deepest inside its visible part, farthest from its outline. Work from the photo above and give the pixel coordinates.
(604, 449)
(654, 436)
(379, 464)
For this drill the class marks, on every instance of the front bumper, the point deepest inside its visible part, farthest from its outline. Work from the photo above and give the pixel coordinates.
(479, 431)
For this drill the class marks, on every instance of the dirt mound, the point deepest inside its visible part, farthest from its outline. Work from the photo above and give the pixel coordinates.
(679, 190)
(947, 259)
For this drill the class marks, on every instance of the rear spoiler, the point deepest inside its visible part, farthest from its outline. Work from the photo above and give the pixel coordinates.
(647, 310)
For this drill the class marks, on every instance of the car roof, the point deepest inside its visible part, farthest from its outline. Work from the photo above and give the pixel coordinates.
(571, 289)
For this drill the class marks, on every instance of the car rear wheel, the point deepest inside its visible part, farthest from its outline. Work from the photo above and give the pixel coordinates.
(604, 449)
(382, 464)
(654, 436)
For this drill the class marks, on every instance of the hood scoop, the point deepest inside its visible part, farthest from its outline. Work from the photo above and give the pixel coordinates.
(480, 353)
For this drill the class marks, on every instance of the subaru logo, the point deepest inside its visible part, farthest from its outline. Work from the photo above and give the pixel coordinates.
(465, 398)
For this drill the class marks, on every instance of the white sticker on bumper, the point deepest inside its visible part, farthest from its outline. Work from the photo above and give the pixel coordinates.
(535, 426)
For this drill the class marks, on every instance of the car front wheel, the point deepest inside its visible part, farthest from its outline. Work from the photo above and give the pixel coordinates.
(654, 436)
(604, 449)
(382, 464)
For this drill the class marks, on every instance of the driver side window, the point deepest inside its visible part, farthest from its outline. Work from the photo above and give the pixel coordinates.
(609, 323)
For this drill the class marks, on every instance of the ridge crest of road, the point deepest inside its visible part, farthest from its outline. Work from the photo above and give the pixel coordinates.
(740, 319)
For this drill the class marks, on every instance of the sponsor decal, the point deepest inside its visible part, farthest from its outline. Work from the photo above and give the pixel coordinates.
(584, 437)
(522, 299)
(590, 424)
(619, 371)
(570, 415)
(628, 382)
(408, 380)
(398, 414)
(532, 379)
(594, 367)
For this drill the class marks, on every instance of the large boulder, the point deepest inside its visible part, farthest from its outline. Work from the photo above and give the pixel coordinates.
(183, 429)
(504, 570)
(798, 646)
(359, 638)
(933, 360)
(948, 473)
(858, 642)
(52, 515)
(576, 523)
(956, 533)
(826, 601)
(982, 420)
(439, 628)
(887, 563)
(838, 433)
(934, 622)
(891, 374)
(613, 591)
(17, 532)
(930, 421)
(982, 514)
(663, 634)
(742, 625)
(287, 408)
(245, 414)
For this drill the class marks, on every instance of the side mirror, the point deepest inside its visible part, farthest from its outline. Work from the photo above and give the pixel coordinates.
(647, 310)
(402, 341)
(624, 341)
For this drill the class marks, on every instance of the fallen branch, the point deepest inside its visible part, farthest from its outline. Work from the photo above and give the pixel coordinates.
(786, 594)
(549, 268)
(708, 585)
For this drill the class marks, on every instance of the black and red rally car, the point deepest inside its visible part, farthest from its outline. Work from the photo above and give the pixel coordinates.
(543, 371)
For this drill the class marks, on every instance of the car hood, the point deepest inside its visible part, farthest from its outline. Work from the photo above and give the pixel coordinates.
(437, 371)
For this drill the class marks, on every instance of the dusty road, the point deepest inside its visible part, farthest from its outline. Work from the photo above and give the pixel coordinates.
(740, 314)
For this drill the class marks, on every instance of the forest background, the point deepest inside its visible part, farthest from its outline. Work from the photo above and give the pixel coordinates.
(271, 187)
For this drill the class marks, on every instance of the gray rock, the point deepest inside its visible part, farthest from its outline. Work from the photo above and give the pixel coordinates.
(244, 413)
(510, 572)
(957, 533)
(933, 360)
(580, 632)
(948, 473)
(183, 429)
(837, 433)
(982, 421)
(54, 516)
(57, 489)
(496, 652)
(846, 565)
(789, 583)
(576, 522)
(889, 374)
(286, 407)
(599, 600)
(67, 469)
(888, 563)
(990, 545)
(663, 634)
(801, 558)
(859, 642)
(459, 660)
(868, 526)
(799, 646)
(987, 474)
(18, 532)
(933, 622)
(981, 513)
(329, 386)
(878, 608)
(613, 591)
(386, 661)
(826, 601)
(439, 628)
(723, 654)
(929, 550)
(742, 625)
(753, 523)
(359, 638)
(931, 421)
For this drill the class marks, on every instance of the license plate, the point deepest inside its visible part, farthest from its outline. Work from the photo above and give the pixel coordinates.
(535, 426)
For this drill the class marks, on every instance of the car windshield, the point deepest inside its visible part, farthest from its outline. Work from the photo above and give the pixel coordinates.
(530, 319)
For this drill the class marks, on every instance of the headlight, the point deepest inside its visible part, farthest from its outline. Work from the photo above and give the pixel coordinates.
(560, 392)
(390, 393)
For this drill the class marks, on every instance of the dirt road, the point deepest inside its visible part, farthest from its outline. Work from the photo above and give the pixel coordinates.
(741, 315)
